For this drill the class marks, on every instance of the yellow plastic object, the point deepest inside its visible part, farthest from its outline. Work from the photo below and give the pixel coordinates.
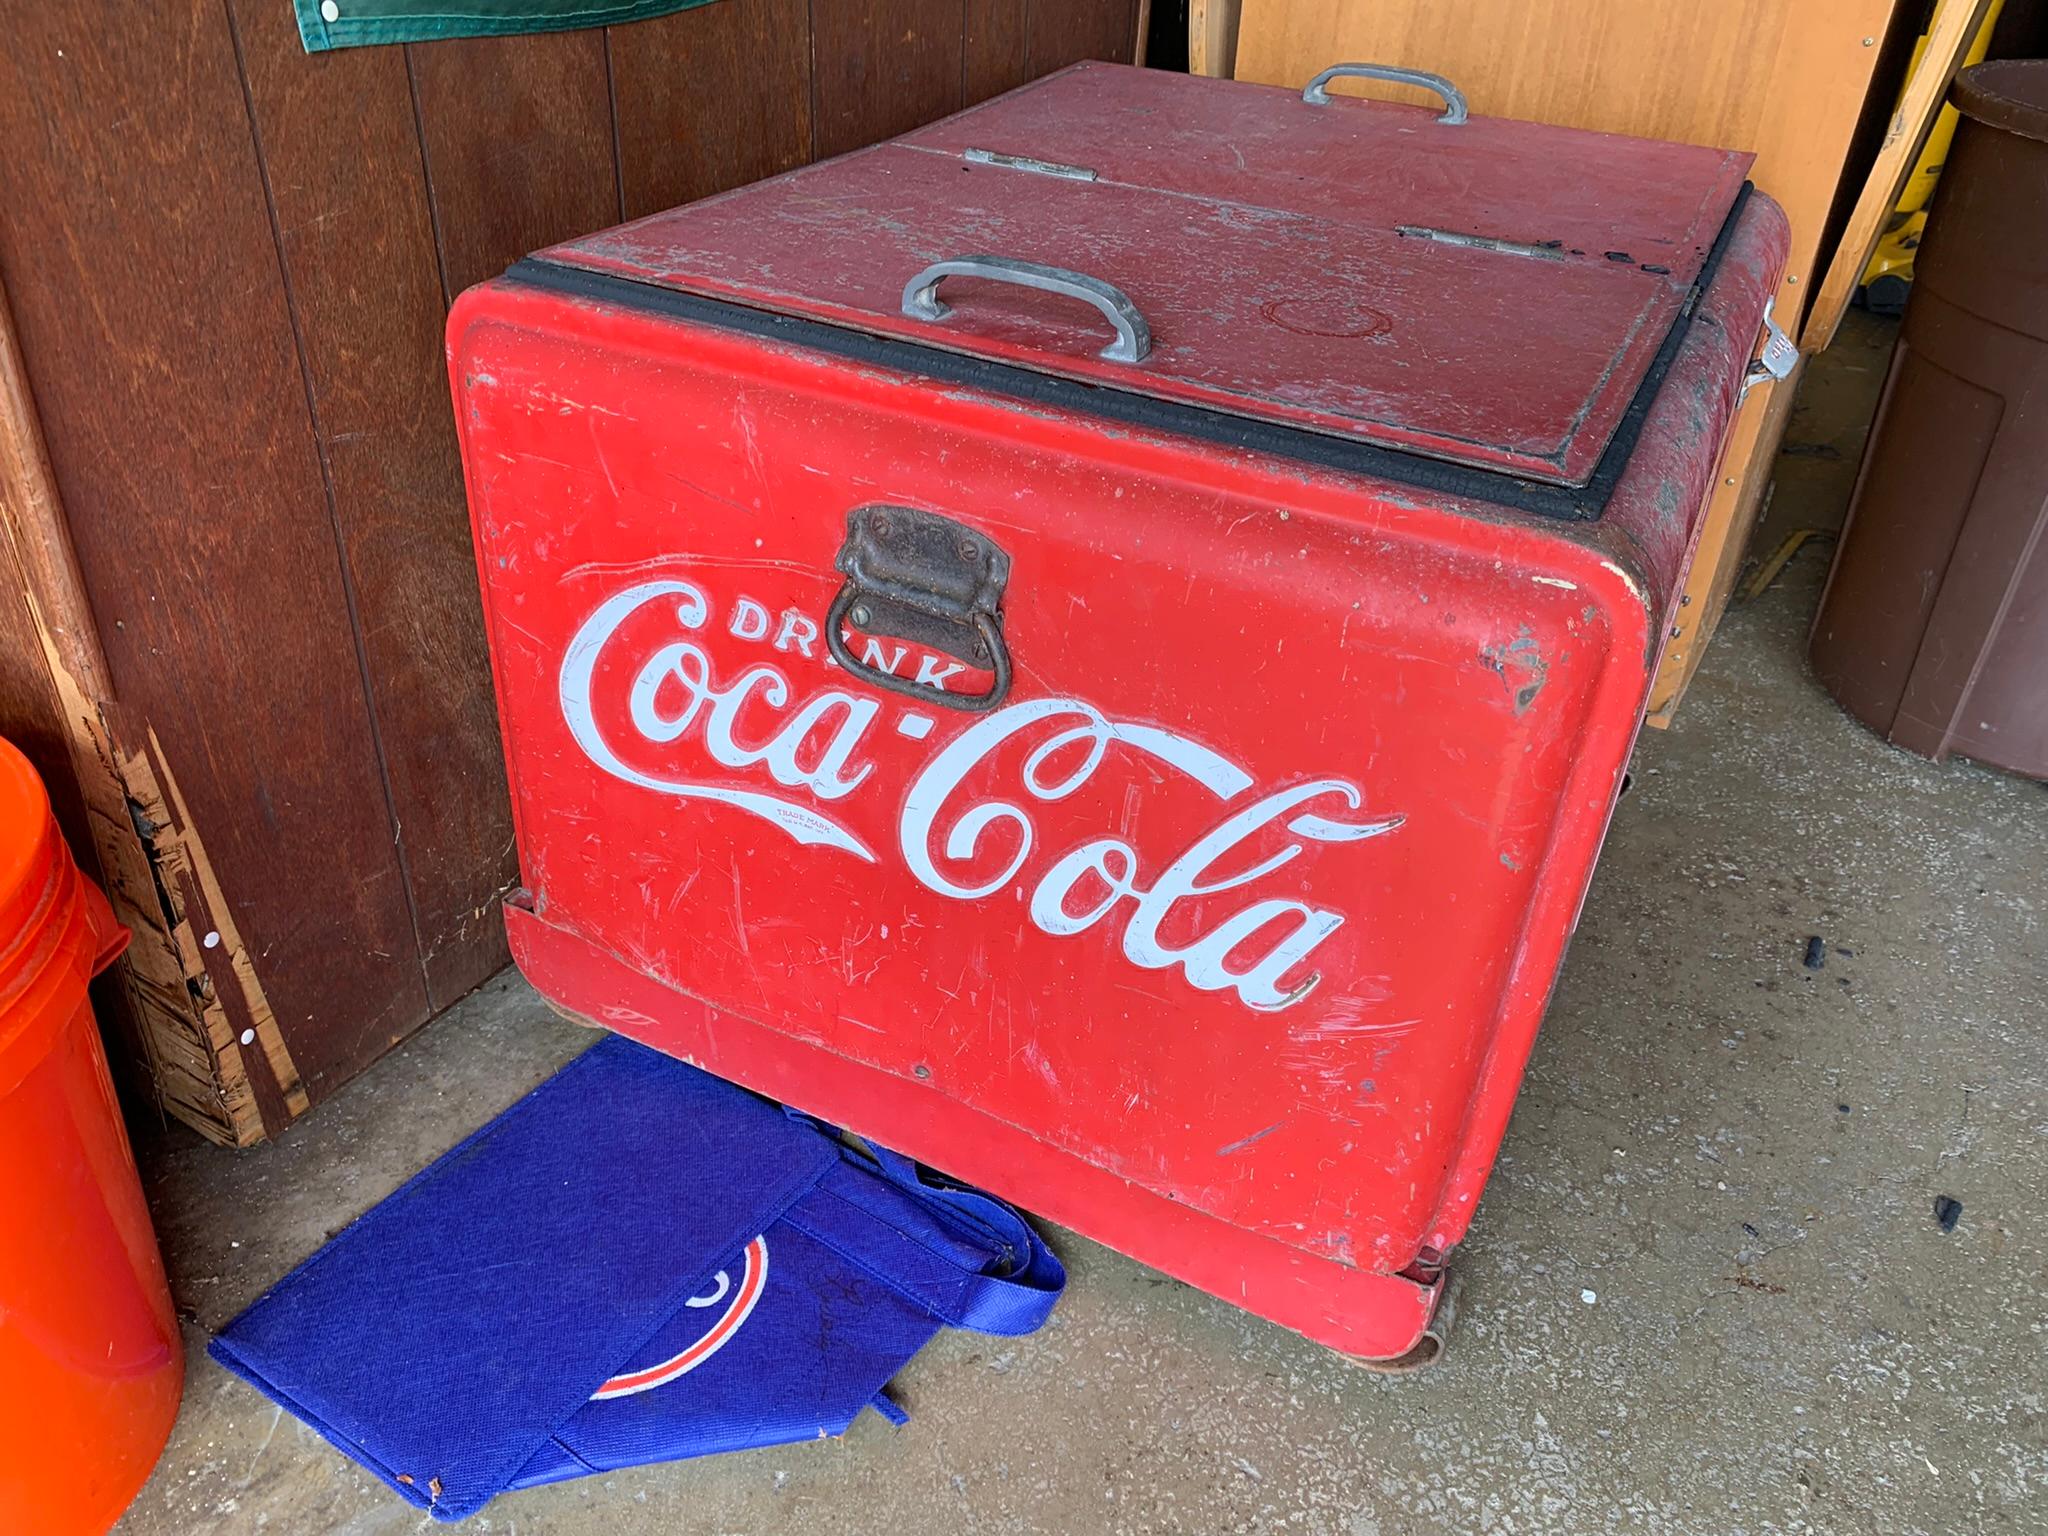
(1890, 272)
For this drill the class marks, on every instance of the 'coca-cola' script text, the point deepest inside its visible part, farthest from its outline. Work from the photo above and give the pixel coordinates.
(806, 754)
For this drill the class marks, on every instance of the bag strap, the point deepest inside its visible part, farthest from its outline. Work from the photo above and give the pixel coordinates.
(1020, 1295)
(1017, 1293)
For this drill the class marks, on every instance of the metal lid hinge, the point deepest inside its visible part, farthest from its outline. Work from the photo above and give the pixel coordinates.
(1778, 356)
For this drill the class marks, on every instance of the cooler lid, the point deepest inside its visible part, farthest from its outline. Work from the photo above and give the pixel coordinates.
(1487, 292)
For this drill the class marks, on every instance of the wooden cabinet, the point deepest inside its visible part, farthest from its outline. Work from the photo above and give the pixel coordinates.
(249, 612)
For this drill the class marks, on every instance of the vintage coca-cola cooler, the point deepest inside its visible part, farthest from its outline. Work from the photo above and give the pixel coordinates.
(1096, 642)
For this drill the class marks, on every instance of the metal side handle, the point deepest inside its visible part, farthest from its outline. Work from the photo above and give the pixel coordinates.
(920, 576)
(1133, 335)
(1317, 93)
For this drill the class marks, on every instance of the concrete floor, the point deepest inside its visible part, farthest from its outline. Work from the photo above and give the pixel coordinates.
(1706, 1292)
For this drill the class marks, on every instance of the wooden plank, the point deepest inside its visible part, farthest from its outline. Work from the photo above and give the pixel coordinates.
(1738, 500)
(363, 280)
(1064, 32)
(997, 49)
(710, 98)
(1783, 78)
(159, 349)
(256, 1076)
(519, 148)
(35, 556)
(1955, 27)
(52, 672)
(31, 714)
(882, 67)
(1212, 38)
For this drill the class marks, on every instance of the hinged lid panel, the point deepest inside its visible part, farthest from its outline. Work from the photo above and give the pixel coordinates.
(1363, 272)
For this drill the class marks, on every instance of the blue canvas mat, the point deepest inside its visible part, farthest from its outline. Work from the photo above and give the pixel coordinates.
(635, 1263)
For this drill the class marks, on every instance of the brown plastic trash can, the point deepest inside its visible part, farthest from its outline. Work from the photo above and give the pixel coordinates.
(1933, 630)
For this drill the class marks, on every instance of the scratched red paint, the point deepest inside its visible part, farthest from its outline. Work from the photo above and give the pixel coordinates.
(1225, 938)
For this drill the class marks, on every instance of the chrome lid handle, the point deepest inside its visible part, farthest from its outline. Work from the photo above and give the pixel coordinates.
(1317, 94)
(1133, 336)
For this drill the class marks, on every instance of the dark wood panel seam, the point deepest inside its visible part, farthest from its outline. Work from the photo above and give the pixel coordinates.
(611, 96)
(348, 584)
(811, 14)
(419, 133)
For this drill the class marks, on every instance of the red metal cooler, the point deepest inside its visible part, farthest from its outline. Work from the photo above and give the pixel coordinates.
(1096, 642)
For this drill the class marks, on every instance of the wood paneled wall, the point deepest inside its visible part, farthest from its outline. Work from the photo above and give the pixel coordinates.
(227, 263)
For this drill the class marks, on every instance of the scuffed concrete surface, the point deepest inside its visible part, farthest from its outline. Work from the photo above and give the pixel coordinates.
(1706, 1291)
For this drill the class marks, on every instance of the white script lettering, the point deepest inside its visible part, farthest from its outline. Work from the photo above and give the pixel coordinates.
(957, 834)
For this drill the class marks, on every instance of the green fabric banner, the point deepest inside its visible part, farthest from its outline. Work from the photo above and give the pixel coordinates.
(325, 24)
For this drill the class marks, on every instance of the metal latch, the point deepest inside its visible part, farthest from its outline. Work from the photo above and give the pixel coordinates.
(917, 576)
(1779, 356)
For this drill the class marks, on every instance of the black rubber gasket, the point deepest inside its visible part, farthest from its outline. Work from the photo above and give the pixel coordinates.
(1204, 423)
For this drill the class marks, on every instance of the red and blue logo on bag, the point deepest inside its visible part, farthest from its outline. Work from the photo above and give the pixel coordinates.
(739, 1307)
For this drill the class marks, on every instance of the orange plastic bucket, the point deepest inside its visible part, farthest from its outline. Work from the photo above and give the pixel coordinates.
(91, 1365)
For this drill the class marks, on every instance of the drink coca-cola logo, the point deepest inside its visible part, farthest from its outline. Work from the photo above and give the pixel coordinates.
(749, 739)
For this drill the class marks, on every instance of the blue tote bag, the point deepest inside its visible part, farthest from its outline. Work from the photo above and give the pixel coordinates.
(635, 1263)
